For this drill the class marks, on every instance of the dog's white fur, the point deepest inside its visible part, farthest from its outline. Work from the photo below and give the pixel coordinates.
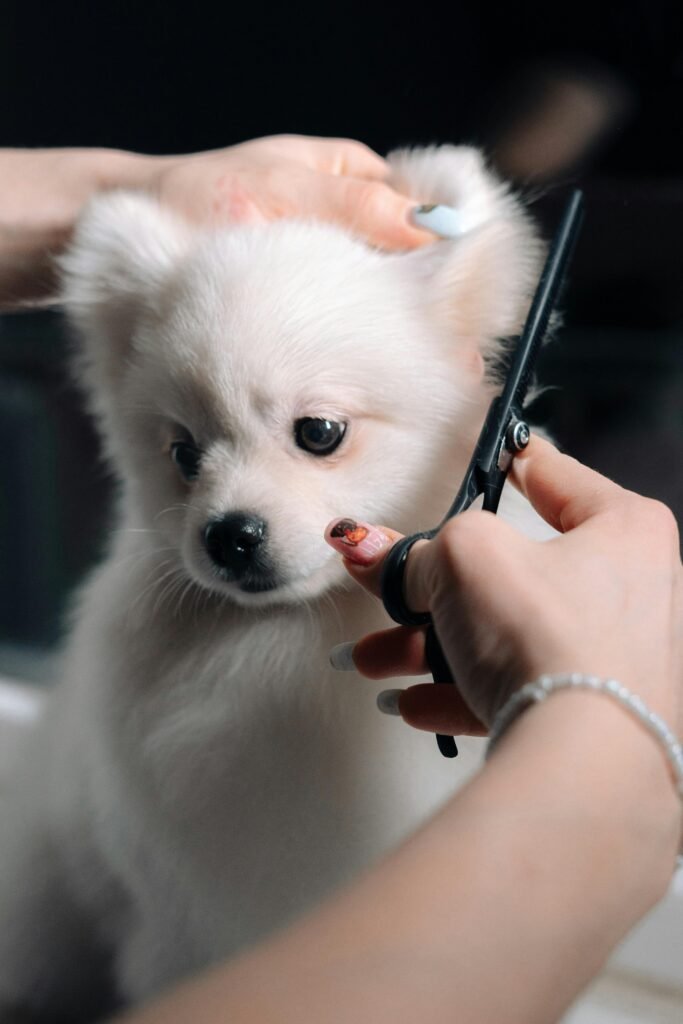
(202, 775)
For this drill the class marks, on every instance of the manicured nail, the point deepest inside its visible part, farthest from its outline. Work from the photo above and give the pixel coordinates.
(356, 541)
(341, 657)
(440, 220)
(387, 702)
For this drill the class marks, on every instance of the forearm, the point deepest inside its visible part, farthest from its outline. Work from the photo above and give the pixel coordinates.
(42, 192)
(502, 908)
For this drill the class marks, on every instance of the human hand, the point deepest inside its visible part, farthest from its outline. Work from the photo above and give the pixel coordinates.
(605, 597)
(334, 180)
(43, 192)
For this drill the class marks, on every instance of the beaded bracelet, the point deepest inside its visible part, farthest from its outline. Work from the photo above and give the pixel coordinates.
(544, 686)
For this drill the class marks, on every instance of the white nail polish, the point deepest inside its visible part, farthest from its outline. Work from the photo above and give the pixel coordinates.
(341, 657)
(387, 702)
(440, 220)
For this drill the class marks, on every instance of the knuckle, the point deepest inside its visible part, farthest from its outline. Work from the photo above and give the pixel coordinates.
(370, 199)
(460, 537)
(361, 150)
(354, 148)
(341, 140)
(466, 526)
(650, 520)
(661, 520)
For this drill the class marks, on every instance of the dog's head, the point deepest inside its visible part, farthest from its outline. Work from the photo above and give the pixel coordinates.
(252, 383)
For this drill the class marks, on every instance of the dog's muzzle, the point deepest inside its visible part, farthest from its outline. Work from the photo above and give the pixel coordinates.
(236, 546)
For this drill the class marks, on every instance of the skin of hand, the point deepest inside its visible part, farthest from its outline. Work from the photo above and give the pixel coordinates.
(42, 193)
(334, 180)
(605, 597)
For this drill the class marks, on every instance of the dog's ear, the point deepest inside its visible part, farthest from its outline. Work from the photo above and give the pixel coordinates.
(124, 249)
(479, 284)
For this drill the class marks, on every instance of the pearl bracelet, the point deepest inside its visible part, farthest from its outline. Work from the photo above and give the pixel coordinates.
(544, 686)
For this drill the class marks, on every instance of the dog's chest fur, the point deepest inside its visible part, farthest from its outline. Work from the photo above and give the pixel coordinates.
(229, 783)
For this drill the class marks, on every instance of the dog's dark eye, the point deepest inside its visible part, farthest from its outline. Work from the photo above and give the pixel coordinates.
(187, 457)
(317, 436)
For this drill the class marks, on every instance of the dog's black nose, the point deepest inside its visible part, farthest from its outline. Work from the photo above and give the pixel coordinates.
(232, 542)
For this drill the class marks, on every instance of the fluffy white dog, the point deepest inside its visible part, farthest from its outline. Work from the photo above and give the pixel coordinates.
(201, 774)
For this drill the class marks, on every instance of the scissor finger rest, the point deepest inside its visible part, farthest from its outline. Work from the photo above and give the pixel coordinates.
(392, 583)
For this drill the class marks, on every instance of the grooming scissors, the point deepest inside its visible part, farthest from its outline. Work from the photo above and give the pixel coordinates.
(504, 433)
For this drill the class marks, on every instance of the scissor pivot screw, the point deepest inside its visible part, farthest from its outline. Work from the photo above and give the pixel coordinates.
(517, 436)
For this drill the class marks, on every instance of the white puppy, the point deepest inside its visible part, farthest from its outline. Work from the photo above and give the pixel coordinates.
(202, 774)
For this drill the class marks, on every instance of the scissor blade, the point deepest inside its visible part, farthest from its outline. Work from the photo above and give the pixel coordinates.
(545, 299)
(485, 475)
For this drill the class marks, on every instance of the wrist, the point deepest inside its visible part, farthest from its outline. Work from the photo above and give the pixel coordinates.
(603, 780)
(50, 187)
(119, 169)
(45, 191)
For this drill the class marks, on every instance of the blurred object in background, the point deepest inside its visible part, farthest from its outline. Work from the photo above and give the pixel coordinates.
(54, 491)
(557, 117)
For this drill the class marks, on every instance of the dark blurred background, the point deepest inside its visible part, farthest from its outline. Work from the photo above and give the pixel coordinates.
(557, 95)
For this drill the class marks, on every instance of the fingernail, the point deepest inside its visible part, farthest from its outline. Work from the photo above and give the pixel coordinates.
(356, 541)
(440, 220)
(341, 657)
(387, 702)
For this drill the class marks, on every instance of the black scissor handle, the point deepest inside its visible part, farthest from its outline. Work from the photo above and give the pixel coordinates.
(441, 673)
(393, 572)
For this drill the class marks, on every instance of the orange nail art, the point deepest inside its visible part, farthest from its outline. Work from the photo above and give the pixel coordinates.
(356, 541)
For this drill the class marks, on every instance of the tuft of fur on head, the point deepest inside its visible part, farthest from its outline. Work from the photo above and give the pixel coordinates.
(232, 335)
(113, 275)
(485, 286)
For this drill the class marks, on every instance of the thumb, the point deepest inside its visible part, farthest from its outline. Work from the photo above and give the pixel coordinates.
(563, 491)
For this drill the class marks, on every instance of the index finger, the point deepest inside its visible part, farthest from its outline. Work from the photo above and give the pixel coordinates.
(366, 547)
